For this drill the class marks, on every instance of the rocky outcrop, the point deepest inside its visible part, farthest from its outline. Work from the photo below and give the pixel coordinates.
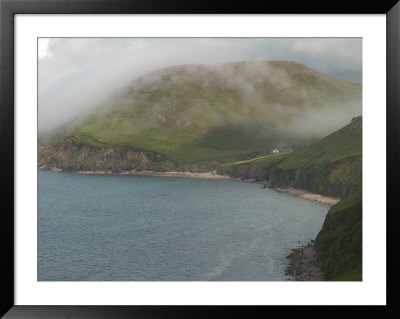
(303, 264)
(80, 157)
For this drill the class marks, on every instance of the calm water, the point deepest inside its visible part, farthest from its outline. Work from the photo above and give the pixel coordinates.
(127, 228)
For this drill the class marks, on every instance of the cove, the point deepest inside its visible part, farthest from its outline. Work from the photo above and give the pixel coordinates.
(149, 228)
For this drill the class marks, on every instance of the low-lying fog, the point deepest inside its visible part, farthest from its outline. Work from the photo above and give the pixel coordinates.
(75, 75)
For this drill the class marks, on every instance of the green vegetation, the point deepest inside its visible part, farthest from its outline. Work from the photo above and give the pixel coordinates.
(271, 156)
(339, 243)
(225, 113)
(340, 145)
(331, 166)
(227, 119)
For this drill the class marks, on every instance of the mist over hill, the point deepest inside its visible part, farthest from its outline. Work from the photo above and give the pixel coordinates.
(192, 113)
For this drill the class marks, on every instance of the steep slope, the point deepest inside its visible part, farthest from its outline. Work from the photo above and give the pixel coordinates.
(199, 113)
(331, 166)
(339, 243)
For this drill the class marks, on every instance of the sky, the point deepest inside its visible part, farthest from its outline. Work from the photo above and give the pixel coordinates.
(76, 74)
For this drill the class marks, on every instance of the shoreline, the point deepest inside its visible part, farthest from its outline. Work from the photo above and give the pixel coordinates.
(303, 264)
(206, 175)
(328, 200)
(300, 193)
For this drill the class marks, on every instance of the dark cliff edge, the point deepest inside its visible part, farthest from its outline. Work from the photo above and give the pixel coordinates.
(339, 243)
(77, 157)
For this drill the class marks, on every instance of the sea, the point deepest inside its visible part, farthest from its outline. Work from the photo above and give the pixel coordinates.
(148, 228)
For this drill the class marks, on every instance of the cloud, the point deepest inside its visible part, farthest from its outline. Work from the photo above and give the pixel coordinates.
(76, 74)
(341, 54)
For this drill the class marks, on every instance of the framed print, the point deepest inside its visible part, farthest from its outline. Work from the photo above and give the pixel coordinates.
(161, 154)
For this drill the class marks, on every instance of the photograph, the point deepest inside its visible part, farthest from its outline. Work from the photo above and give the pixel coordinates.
(181, 159)
(230, 159)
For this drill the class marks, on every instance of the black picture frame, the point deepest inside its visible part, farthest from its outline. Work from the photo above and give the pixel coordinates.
(8, 8)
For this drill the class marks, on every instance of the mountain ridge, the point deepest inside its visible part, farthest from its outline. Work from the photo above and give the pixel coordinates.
(194, 113)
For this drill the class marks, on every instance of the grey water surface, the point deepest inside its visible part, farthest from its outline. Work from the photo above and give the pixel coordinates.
(139, 228)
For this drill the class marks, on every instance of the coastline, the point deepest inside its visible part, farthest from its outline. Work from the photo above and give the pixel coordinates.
(328, 200)
(207, 175)
(303, 264)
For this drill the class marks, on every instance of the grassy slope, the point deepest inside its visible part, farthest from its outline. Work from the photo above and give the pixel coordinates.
(331, 166)
(227, 112)
(339, 145)
(339, 243)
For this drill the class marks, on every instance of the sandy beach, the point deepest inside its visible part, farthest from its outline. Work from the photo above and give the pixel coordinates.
(307, 195)
(208, 175)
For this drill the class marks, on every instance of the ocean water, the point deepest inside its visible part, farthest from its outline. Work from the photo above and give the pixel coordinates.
(138, 228)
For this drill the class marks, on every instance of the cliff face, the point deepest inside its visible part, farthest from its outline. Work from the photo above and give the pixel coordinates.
(79, 157)
(339, 179)
(73, 156)
(339, 243)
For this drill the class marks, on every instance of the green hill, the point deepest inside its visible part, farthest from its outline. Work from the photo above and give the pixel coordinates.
(200, 113)
(331, 166)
